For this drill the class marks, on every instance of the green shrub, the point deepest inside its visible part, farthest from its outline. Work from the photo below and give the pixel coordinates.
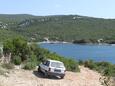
(8, 65)
(81, 62)
(17, 46)
(105, 68)
(17, 60)
(30, 65)
(71, 65)
(90, 64)
(31, 62)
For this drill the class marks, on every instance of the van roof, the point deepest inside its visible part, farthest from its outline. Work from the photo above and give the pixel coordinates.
(54, 61)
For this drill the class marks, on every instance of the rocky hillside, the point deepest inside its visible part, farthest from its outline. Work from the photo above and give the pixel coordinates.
(59, 27)
(19, 77)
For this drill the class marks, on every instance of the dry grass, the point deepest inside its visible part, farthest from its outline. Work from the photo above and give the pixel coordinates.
(3, 71)
(8, 66)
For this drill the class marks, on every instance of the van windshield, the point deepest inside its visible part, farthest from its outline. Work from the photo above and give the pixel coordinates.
(57, 64)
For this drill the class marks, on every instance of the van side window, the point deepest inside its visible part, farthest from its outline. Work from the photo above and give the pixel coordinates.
(46, 63)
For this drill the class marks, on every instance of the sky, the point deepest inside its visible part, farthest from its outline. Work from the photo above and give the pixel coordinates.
(92, 8)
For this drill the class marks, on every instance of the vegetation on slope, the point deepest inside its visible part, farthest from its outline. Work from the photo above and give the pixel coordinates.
(62, 27)
(105, 68)
(7, 34)
(31, 54)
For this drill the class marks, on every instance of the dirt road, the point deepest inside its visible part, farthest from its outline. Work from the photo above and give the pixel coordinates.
(31, 78)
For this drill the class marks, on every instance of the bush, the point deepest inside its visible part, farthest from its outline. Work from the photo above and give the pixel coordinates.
(17, 60)
(71, 65)
(31, 62)
(81, 62)
(17, 46)
(8, 65)
(30, 66)
(90, 64)
(105, 68)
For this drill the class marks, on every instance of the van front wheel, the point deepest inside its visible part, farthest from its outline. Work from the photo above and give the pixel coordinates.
(39, 69)
(62, 77)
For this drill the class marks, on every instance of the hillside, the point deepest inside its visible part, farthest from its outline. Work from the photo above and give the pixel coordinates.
(21, 77)
(59, 27)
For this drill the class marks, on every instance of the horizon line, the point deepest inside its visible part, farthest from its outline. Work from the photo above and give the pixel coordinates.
(55, 15)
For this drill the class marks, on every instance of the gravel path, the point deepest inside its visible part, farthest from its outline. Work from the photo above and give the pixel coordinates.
(31, 78)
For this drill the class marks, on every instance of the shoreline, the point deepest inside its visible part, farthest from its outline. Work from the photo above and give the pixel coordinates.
(55, 42)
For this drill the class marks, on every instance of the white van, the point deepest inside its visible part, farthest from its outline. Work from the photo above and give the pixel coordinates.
(52, 68)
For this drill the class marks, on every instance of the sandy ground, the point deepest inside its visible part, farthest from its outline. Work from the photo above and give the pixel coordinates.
(32, 78)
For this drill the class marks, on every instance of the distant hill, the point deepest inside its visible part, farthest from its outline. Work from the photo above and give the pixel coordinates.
(58, 27)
